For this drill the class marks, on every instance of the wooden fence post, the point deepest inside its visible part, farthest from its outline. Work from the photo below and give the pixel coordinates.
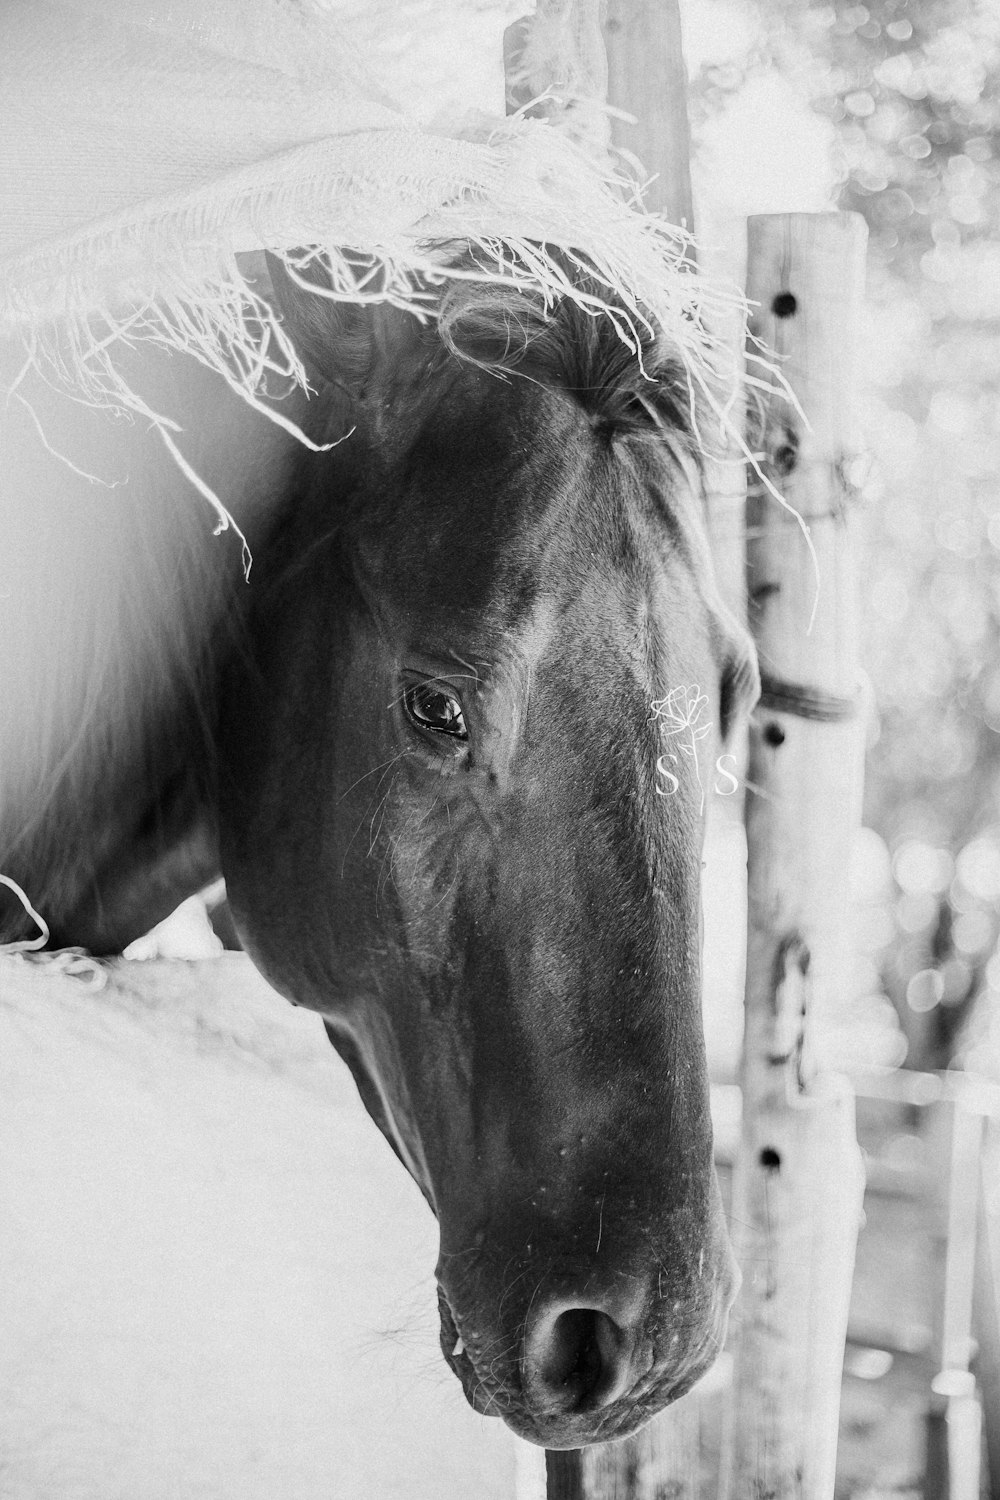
(633, 61)
(798, 1183)
(986, 1296)
(954, 1438)
(647, 80)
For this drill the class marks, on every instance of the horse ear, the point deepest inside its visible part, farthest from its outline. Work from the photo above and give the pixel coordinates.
(337, 341)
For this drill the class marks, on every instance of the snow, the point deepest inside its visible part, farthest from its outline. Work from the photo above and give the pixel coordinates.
(215, 1279)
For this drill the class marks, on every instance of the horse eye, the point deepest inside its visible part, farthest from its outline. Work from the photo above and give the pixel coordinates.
(430, 707)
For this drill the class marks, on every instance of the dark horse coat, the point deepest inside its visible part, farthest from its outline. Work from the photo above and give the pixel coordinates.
(419, 745)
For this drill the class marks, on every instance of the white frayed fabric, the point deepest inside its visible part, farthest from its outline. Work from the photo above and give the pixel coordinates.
(144, 149)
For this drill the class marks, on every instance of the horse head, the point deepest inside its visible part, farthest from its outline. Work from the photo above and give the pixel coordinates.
(445, 825)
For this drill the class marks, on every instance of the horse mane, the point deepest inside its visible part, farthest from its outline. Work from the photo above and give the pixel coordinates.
(628, 379)
(638, 387)
(115, 612)
(109, 662)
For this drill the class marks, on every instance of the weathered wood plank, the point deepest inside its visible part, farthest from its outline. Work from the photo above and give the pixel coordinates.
(986, 1300)
(798, 1184)
(658, 1463)
(647, 80)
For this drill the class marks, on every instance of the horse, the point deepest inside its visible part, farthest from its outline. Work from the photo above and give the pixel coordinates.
(418, 744)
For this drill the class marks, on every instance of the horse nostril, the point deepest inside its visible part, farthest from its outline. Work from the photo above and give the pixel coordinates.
(578, 1361)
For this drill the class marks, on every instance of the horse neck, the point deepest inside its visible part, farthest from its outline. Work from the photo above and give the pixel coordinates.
(114, 619)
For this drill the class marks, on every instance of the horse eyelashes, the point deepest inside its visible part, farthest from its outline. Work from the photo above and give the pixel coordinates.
(433, 709)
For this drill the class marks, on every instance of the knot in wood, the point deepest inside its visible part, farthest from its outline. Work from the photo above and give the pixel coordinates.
(790, 998)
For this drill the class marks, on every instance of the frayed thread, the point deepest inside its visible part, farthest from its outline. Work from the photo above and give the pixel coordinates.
(533, 207)
(75, 962)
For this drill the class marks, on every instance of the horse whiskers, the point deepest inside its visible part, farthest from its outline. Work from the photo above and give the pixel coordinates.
(508, 1286)
(386, 870)
(527, 1312)
(491, 1351)
(734, 1221)
(383, 764)
(663, 1270)
(380, 814)
(395, 839)
(501, 1354)
(460, 1254)
(385, 768)
(485, 1380)
(374, 836)
(493, 1397)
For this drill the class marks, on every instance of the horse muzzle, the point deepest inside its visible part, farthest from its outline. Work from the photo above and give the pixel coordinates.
(588, 1362)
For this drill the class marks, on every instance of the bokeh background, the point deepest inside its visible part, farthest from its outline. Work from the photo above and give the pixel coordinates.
(897, 105)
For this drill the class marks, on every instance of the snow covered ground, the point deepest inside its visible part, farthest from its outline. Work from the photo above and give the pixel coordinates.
(216, 1282)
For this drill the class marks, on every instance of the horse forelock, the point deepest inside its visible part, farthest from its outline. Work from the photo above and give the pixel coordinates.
(538, 489)
(520, 400)
(430, 395)
(635, 385)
